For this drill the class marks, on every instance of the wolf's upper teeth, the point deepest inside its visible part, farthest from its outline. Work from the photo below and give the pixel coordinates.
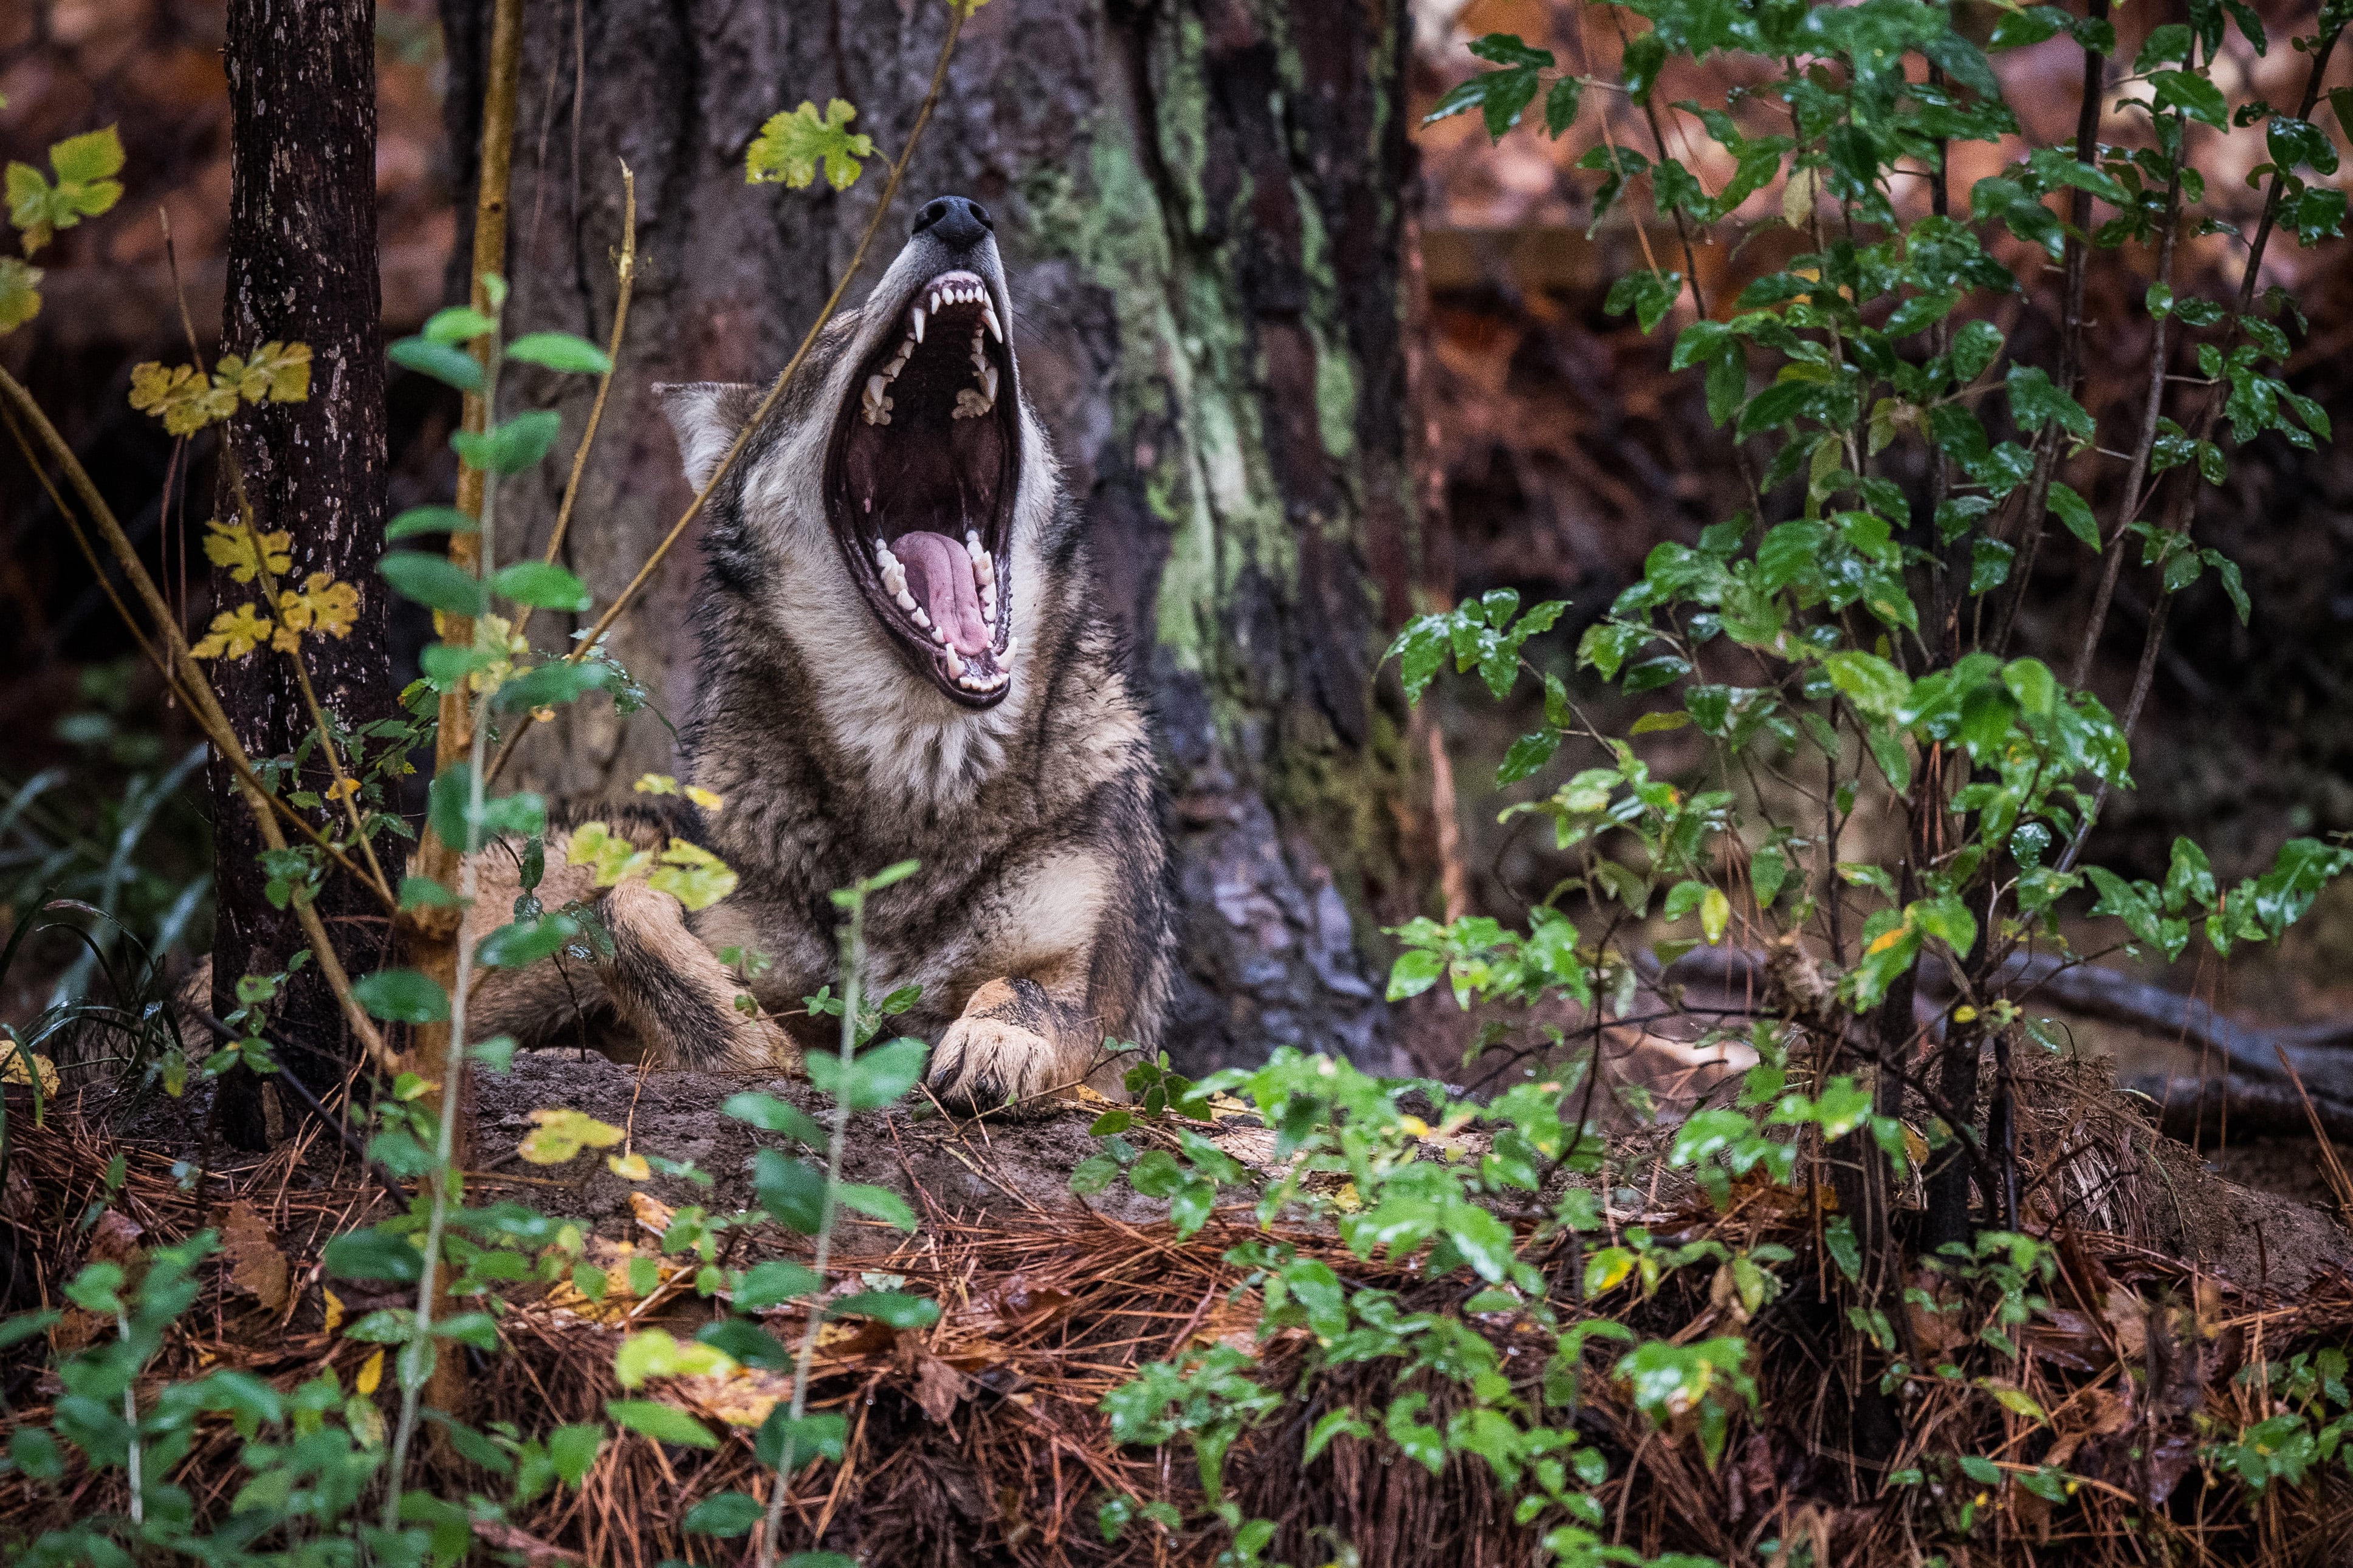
(918, 321)
(988, 320)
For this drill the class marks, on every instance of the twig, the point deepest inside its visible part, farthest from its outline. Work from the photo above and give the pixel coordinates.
(2071, 338)
(628, 271)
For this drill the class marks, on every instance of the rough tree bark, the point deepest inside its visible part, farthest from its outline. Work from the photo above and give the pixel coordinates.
(302, 265)
(1199, 202)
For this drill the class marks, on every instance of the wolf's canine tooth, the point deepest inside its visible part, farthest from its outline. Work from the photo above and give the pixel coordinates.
(988, 319)
(919, 323)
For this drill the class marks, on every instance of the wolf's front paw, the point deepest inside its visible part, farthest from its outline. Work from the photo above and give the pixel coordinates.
(1004, 1049)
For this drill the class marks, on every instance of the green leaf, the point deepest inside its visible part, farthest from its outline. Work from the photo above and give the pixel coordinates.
(374, 1254)
(875, 1077)
(573, 1451)
(802, 1440)
(526, 941)
(1560, 104)
(2075, 513)
(1416, 970)
(513, 446)
(876, 1202)
(774, 1283)
(1875, 687)
(746, 1343)
(792, 147)
(560, 351)
(432, 580)
(894, 1308)
(419, 520)
(770, 1114)
(1975, 346)
(541, 584)
(2192, 95)
(2035, 400)
(662, 1423)
(444, 363)
(727, 1514)
(401, 997)
(454, 324)
(791, 1189)
(1649, 294)
(2030, 681)
(1527, 754)
(552, 684)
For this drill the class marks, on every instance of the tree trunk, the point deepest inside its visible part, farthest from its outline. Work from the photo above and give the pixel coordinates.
(302, 267)
(1199, 203)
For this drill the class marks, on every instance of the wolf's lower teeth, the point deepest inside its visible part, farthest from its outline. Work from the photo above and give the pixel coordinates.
(971, 404)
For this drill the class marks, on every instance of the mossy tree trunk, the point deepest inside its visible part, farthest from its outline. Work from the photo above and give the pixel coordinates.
(302, 267)
(1199, 202)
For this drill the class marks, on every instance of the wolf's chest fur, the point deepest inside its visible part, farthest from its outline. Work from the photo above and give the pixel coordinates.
(833, 767)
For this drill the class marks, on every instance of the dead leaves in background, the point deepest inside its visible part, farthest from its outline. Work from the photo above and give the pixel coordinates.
(256, 1266)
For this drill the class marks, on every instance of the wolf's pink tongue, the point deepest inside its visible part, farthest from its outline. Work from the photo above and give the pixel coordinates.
(939, 578)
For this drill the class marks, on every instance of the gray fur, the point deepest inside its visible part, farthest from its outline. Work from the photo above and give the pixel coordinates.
(1035, 818)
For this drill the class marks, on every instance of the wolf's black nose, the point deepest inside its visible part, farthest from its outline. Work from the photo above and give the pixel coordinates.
(957, 221)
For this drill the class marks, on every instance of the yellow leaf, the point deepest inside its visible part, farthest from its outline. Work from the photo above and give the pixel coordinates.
(181, 398)
(321, 604)
(20, 294)
(615, 859)
(14, 1070)
(334, 1311)
(342, 788)
(654, 783)
(234, 634)
(705, 798)
(228, 545)
(692, 874)
(277, 373)
(560, 1134)
(371, 1373)
(628, 1167)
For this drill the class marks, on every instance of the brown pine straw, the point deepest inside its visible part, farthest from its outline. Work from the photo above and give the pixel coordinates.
(1047, 1311)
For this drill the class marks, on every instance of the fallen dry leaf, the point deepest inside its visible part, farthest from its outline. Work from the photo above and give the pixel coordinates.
(255, 1263)
(938, 1385)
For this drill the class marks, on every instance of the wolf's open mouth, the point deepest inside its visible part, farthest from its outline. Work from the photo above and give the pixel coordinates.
(924, 466)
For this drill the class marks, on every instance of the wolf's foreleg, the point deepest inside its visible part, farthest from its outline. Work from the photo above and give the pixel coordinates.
(1018, 1043)
(673, 991)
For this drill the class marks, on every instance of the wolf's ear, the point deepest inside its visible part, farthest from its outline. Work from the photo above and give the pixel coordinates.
(705, 416)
